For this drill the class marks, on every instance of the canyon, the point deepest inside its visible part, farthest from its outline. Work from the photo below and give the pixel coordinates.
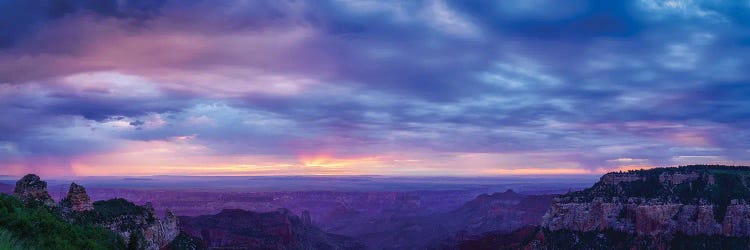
(378, 219)
(688, 207)
(664, 208)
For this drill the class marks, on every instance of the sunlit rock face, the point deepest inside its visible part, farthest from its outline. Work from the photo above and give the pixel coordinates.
(694, 200)
(77, 199)
(32, 190)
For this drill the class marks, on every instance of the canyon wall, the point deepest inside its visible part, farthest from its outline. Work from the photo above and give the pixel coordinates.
(690, 201)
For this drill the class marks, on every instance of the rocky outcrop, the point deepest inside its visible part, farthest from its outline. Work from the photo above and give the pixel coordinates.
(648, 218)
(239, 229)
(137, 224)
(692, 201)
(32, 190)
(77, 199)
(132, 222)
(161, 232)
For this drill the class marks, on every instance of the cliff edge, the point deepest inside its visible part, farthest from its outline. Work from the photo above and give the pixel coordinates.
(656, 206)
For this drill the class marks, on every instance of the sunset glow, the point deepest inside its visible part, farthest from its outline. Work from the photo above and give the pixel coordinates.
(327, 161)
(370, 88)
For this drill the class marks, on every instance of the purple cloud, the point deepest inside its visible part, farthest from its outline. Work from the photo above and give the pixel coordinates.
(590, 85)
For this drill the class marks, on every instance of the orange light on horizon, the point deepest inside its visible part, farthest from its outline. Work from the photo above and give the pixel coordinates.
(183, 156)
(328, 161)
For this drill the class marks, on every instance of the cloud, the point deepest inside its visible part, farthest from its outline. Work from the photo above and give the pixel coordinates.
(19, 19)
(581, 87)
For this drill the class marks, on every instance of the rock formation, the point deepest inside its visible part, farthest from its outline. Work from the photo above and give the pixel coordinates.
(501, 212)
(138, 223)
(77, 199)
(504, 212)
(130, 221)
(32, 190)
(690, 207)
(162, 232)
(658, 204)
(240, 229)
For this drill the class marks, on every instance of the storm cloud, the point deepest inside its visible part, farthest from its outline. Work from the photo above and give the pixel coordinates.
(371, 87)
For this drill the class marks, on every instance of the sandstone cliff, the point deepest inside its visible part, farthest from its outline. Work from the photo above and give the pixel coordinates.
(659, 204)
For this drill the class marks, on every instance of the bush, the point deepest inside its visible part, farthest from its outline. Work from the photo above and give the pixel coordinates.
(9, 242)
(46, 230)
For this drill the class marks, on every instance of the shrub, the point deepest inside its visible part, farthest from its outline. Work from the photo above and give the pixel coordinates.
(47, 230)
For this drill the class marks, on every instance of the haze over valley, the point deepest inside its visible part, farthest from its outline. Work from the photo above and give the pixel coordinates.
(374, 124)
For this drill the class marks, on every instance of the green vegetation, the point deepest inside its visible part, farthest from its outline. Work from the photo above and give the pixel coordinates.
(648, 188)
(111, 212)
(118, 207)
(186, 242)
(135, 240)
(105, 211)
(715, 183)
(42, 228)
(9, 242)
(743, 170)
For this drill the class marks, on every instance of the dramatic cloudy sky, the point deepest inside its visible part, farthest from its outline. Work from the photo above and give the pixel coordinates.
(371, 87)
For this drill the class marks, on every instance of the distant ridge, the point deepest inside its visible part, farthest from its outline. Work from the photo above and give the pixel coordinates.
(6, 188)
(137, 179)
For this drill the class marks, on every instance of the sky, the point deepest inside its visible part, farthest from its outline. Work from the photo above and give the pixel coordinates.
(343, 87)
